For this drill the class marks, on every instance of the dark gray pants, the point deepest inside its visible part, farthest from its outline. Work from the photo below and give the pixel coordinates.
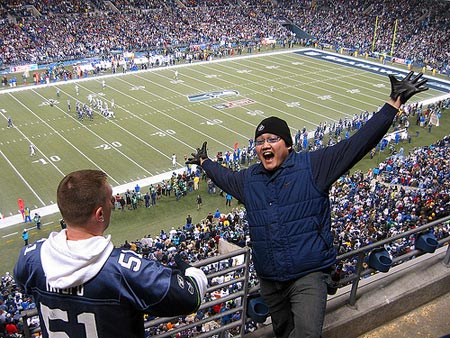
(297, 307)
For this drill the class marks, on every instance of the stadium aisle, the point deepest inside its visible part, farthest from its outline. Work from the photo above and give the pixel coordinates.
(428, 321)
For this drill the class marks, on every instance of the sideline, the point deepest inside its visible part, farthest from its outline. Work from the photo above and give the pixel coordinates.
(53, 208)
(29, 85)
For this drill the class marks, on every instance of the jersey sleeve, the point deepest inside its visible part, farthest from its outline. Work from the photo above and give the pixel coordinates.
(24, 265)
(185, 293)
(160, 290)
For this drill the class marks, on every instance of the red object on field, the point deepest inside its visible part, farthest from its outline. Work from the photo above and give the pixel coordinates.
(21, 205)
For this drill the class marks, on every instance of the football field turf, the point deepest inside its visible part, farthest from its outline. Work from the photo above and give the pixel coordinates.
(158, 115)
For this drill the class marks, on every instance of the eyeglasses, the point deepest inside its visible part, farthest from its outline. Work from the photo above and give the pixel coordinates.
(273, 139)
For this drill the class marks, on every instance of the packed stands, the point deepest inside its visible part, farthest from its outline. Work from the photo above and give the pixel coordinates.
(51, 31)
(366, 208)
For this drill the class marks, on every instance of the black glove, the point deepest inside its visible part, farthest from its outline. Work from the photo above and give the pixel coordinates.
(181, 263)
(406, 87)
(201, 154)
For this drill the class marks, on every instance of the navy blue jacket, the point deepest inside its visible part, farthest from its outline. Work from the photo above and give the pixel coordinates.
(288, 209)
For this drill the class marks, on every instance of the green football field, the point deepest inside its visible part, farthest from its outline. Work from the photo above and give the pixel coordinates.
(158, 115)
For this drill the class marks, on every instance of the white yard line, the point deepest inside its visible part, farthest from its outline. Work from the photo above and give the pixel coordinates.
(22, 178)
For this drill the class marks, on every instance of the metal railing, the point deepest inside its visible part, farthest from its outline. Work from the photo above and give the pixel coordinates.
(241, 295)
(361, 253)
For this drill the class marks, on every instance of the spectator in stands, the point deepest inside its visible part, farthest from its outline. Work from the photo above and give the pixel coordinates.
(11, 328)
(78, 30)
(79, 280)
(288, 209)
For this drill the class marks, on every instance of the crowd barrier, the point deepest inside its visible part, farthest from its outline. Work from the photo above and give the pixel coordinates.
(369, 260)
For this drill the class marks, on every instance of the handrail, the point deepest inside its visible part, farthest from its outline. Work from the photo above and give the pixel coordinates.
(361, 254)
(243, 294)
(392, 239)
(246, 291)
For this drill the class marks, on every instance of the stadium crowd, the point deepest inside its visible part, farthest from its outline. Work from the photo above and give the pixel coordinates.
(421, 35)
(64, 30)
(407, 191)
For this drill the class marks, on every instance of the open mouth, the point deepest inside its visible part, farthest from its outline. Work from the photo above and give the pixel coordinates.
(268, 155)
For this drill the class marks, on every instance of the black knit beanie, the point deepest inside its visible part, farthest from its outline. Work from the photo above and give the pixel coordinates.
(276, 126)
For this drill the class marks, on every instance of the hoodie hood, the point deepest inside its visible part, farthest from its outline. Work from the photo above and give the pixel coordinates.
(72, 263)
